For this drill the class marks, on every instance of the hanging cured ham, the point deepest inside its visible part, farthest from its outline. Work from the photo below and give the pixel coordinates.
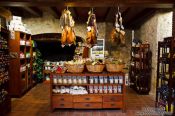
(92, 31)
(118, 33)
(67, 23)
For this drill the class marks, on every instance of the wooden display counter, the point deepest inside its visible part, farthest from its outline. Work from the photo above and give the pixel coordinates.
(109, 93)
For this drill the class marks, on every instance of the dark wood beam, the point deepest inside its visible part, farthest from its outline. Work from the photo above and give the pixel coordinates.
(56, 12)
(91, 3)
(126, 12)
(76, 13)
(107, 13)
(73, 12)
(35, 12)
(140, 18)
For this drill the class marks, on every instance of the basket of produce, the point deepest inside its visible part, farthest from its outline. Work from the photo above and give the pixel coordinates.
(115, 66)
(75, 66)
(95, 66)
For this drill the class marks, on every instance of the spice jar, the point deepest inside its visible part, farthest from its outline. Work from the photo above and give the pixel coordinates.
(96, 79)
(105, 80)
(91, 89)
(84, 79)
(109, 89)
(119, 89)
(95, 89)
(74, 80)
(55, 80)
(79, 80)
(91, 80)
(115, 89)
(120, 79)
(59, 79)
(116, 79)
(101, 79)
(64, 79)
(105, 89)
(100, 89)
(111, 80)
(69, 80)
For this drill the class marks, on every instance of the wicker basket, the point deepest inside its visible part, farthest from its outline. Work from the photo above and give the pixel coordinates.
(115, 67)
(77, 68)
(95, 68)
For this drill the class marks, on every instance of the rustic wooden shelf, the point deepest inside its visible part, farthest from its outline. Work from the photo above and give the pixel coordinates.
(14, 45)
(88, 84)
(165, 65)
(88, 101)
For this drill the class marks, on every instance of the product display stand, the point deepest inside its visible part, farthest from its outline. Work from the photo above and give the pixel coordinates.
(21, 63)
(165, 87)
(5, 100)
(88, 90)
(140, 70)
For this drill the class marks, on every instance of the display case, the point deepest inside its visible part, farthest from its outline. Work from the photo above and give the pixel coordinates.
(88, 90)
(165, 87)
(5, 100)
(140, 69)
(21, 63)
(97, 51)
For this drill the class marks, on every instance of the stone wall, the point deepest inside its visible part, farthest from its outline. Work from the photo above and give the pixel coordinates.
(154, 30)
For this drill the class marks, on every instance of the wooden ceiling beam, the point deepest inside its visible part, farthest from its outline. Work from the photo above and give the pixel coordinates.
(55, 12)
(73, 12)
(91, 3)
(136, 21)
(106, 16)
(36, 12)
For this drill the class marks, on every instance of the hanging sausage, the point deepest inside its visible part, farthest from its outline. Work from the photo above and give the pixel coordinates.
(92, 31)
(118, 33)
(67, 23)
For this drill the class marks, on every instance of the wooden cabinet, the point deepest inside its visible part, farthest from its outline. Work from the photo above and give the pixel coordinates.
(20, 47)
(165, 87)
(5, 100)
(107, 95)
(140, 69)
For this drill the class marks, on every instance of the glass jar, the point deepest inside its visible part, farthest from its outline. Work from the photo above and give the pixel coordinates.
(91, 80)
(111, 79)
(105, 80)
(116, 79)
(64, 79)
(101, 79)
(120, 79)
(59, 80)
(115, 89)
(105, 89)
(84, 79)
(110, 89)
(74, 80)
(91, 89)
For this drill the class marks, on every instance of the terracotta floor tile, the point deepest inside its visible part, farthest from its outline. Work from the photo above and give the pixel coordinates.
(37, 103)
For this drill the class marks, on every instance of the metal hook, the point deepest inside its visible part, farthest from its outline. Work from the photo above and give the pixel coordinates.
(92, 10)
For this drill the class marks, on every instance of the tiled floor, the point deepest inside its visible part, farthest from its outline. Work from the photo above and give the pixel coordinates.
(36, 103)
